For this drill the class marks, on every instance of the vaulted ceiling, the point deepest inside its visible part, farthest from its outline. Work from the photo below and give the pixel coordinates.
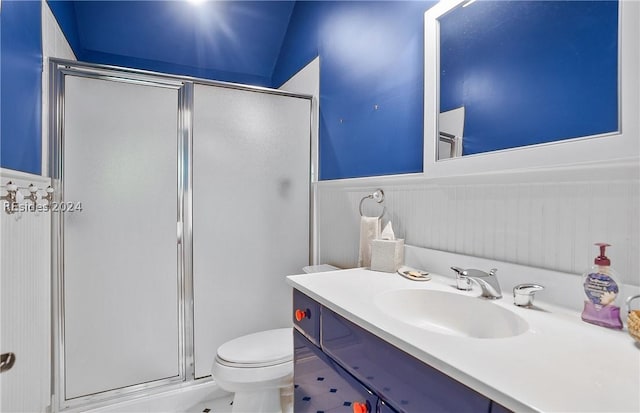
(225, 40)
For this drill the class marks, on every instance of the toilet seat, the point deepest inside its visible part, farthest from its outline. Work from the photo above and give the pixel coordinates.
(262, 349)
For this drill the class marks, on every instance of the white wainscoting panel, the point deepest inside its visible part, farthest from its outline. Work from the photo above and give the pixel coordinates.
(548, 220)
(25, 302)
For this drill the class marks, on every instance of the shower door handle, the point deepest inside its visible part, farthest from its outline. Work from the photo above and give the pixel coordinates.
(7, 360)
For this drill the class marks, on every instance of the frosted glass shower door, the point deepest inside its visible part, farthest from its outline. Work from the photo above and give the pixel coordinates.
(251, 190)
(121, 317)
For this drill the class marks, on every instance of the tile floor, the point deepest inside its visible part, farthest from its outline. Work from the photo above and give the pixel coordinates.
(223, 404)
(219, 405)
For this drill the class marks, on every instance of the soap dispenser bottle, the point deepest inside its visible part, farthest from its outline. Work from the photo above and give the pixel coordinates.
(602, 288)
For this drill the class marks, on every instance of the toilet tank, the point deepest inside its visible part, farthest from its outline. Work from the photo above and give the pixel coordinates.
(319, 268)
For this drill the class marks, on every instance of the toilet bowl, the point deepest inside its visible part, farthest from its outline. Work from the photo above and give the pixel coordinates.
(258, 368)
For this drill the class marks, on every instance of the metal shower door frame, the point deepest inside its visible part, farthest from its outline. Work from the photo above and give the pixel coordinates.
(59, 70)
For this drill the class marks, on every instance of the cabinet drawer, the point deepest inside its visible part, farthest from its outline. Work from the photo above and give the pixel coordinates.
(401, 380)
(320, 385)
(306, 316)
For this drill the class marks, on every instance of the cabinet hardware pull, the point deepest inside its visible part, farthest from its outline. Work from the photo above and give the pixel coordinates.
(300, 314)
(360, 407)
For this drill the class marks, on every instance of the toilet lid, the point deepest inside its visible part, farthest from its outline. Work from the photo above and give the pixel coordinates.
(264, 348)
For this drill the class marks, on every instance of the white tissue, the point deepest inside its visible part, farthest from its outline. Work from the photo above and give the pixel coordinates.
(387, 232)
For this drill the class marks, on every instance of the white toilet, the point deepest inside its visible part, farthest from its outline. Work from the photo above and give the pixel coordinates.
(257, 367)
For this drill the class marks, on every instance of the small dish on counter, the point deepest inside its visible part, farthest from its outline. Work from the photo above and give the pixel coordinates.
(414, 274)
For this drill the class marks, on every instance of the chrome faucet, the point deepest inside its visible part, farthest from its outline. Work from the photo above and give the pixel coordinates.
(523, 294)
(488, 282)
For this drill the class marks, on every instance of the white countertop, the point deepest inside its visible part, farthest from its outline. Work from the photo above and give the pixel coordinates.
(561, 364)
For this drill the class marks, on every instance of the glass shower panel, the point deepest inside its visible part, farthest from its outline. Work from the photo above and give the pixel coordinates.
(251, 188)
(120, 161)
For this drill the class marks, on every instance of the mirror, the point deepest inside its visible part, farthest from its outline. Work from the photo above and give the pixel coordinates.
(526, 72)
(515, 84)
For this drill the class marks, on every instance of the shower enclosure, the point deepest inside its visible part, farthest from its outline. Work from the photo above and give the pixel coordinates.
(182, 204)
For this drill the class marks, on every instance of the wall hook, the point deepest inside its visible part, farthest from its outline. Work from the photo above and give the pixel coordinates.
(14, 197)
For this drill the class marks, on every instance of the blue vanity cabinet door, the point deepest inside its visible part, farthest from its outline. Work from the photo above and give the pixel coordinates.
(402, 381)
(384, 407)
(306, 316)
(320, 385)
(498, 408)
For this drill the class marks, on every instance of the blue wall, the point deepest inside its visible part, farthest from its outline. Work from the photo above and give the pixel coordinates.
(542, 71)
(371, 53)
(21, 83)
(232, 41)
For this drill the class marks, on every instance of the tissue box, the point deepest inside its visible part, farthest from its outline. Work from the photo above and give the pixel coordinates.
(387, 255)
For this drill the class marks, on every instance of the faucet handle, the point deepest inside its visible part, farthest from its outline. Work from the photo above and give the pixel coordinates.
(462, 281)
(523, 294)
(458, 270)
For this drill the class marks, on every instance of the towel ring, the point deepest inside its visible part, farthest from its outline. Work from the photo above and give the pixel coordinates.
(377, 196)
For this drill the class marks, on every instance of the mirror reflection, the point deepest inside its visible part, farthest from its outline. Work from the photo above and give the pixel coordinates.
(519, 73)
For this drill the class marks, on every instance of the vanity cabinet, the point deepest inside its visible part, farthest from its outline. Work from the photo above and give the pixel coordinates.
(372, 371)
(306, 316)
(321, 385)
(384, 407)
(498, 408)
(404, 382)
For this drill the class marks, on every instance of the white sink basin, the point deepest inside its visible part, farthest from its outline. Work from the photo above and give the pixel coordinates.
(452, 314)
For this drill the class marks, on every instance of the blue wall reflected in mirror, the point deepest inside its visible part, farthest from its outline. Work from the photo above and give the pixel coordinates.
(530, 72)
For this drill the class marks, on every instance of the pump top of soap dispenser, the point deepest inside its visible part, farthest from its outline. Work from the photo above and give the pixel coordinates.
(602, 259)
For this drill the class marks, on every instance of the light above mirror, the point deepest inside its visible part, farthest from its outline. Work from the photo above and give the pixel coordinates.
(517, 84)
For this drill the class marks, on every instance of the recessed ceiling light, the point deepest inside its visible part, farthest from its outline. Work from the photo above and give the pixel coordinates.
(196, 2)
